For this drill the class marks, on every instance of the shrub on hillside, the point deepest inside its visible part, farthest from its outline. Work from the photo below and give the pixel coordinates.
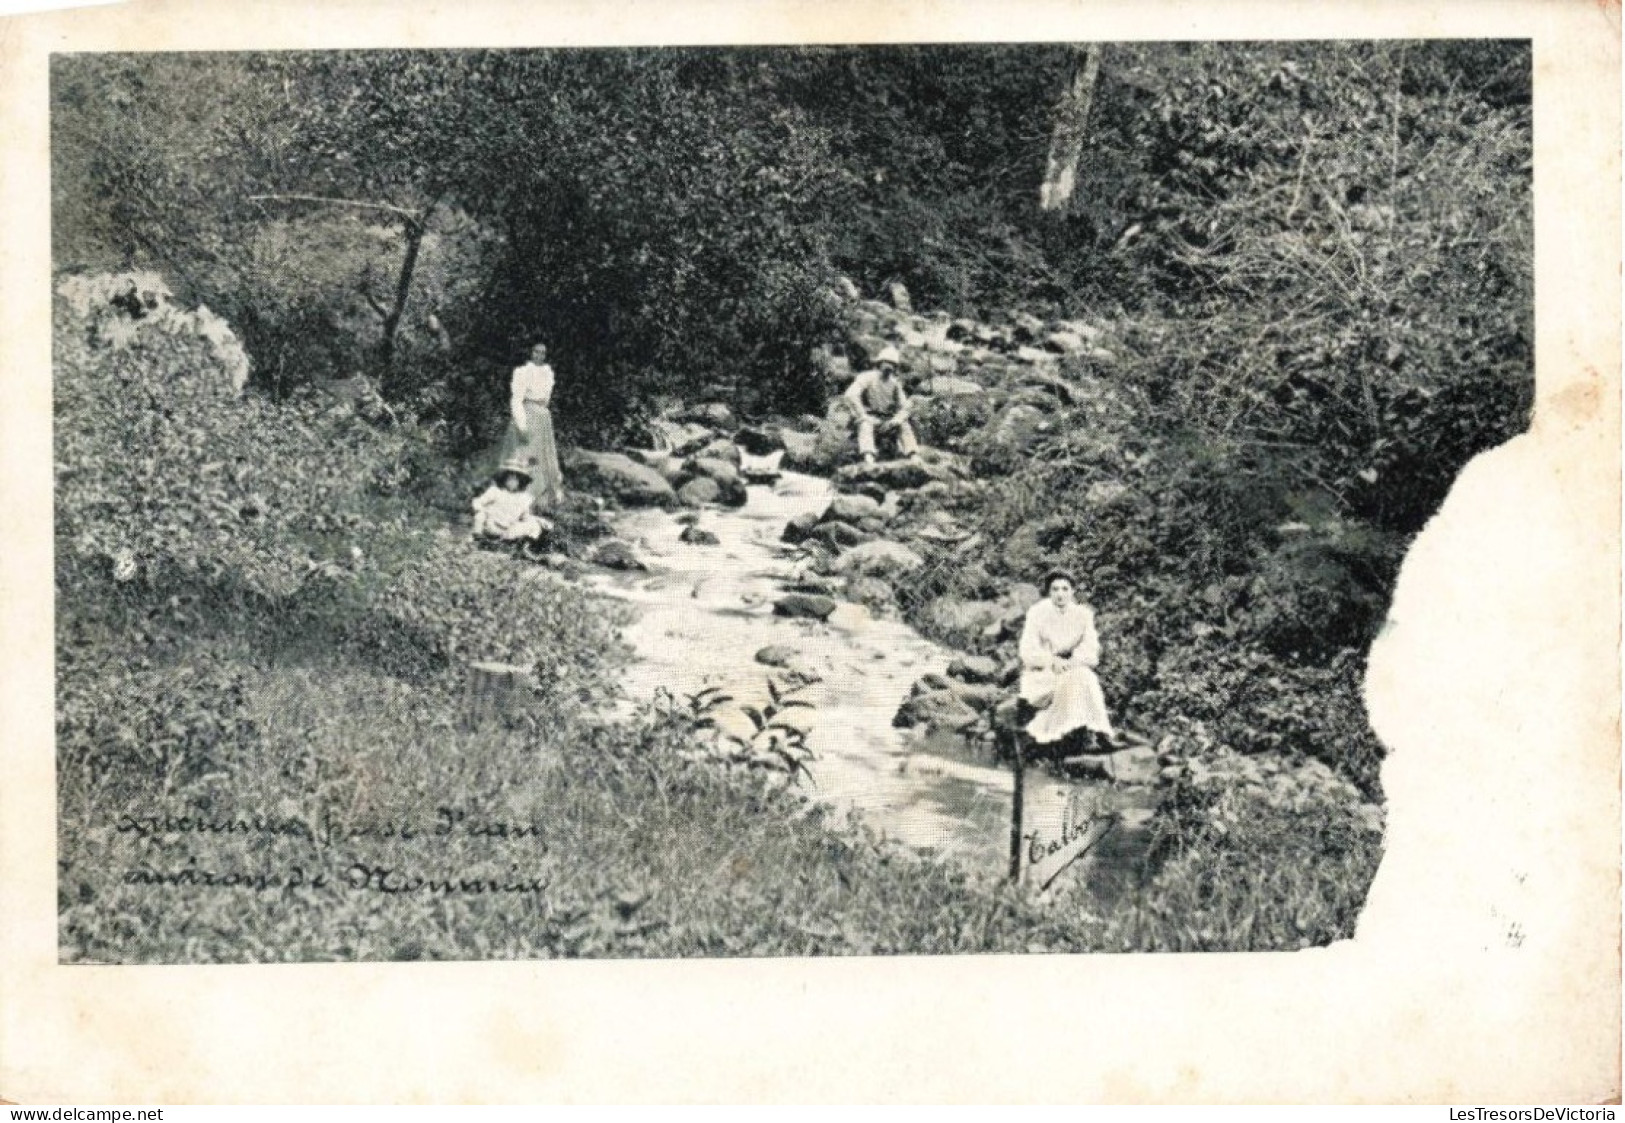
(161, 466)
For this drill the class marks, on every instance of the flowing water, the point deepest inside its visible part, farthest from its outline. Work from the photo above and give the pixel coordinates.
(704, 611)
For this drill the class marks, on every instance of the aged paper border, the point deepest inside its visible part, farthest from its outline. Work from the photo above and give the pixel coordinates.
(1497, 686)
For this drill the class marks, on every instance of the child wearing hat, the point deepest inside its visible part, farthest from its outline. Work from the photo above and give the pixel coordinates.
(505, 511)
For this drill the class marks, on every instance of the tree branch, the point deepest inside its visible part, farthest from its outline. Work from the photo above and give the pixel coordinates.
(409, 216)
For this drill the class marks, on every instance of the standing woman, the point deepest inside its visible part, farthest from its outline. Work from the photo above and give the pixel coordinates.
(1059, 652)
(529, 440)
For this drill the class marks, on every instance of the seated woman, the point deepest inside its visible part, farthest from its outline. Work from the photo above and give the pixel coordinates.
(1059, 651)
(505, 511)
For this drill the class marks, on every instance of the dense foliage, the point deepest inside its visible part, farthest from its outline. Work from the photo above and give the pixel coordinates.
(1313, 263)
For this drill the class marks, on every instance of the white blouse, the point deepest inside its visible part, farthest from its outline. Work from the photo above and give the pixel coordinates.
(1049, 631)
(532, 382)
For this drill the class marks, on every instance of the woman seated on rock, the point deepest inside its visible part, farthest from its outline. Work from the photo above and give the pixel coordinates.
(506, 512)
(1059, 651)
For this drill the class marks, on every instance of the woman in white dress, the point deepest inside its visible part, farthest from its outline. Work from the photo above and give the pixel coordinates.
(1059, 652)
(529, 441)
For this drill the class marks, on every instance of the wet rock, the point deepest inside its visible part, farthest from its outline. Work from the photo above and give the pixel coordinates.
(758, 441)
(618, 476)
(851, 508)
(980, 696)
(699, 492)
(616, 554)
(777, 655)
(897, 293)
(694, 536)
(715, 468)
(800, 528)
(937, 710)
(890, 474)
(720, 449)
(879, 558)
(804, 606)
(974, 669)
(670, 467)
(839, 535)
(929, 683)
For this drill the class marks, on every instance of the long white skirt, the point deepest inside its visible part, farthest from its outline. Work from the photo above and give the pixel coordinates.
(1076, 702)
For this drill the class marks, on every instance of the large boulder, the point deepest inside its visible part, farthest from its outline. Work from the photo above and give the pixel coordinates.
(879, 559)
(941, 710)
(617, 476)
(714, 468)
(958, 618)
(805, 606)
(851, 508)
(819, 453)
(974, 669)
(1018, 428)
(980, 696)
(839, 535)
(759, 440)
(612, 553)
(699, 492)
(800, 528)
(720, 449)
(890, 474)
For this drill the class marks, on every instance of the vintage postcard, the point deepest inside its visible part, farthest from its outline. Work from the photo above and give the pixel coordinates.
(724, 552)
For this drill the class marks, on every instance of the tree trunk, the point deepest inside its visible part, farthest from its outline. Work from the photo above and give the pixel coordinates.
(1071, 123)
(415, 229)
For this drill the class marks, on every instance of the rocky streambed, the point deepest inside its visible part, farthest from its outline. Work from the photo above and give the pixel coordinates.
(725, 606)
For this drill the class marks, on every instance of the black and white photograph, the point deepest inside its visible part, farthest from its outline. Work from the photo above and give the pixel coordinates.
(755, 501)
(939, 503)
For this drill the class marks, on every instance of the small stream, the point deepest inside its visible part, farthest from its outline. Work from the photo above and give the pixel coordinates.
(703, 611)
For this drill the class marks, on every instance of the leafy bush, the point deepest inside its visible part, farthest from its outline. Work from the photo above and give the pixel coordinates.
(162, 466)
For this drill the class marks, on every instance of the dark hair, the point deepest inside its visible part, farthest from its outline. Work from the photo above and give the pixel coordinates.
(502, 475)
(1055, 575)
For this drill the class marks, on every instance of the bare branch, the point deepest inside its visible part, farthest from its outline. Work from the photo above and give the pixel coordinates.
(409, 216)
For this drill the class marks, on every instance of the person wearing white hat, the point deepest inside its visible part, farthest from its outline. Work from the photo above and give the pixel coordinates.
(506, 511)
(877, 397)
